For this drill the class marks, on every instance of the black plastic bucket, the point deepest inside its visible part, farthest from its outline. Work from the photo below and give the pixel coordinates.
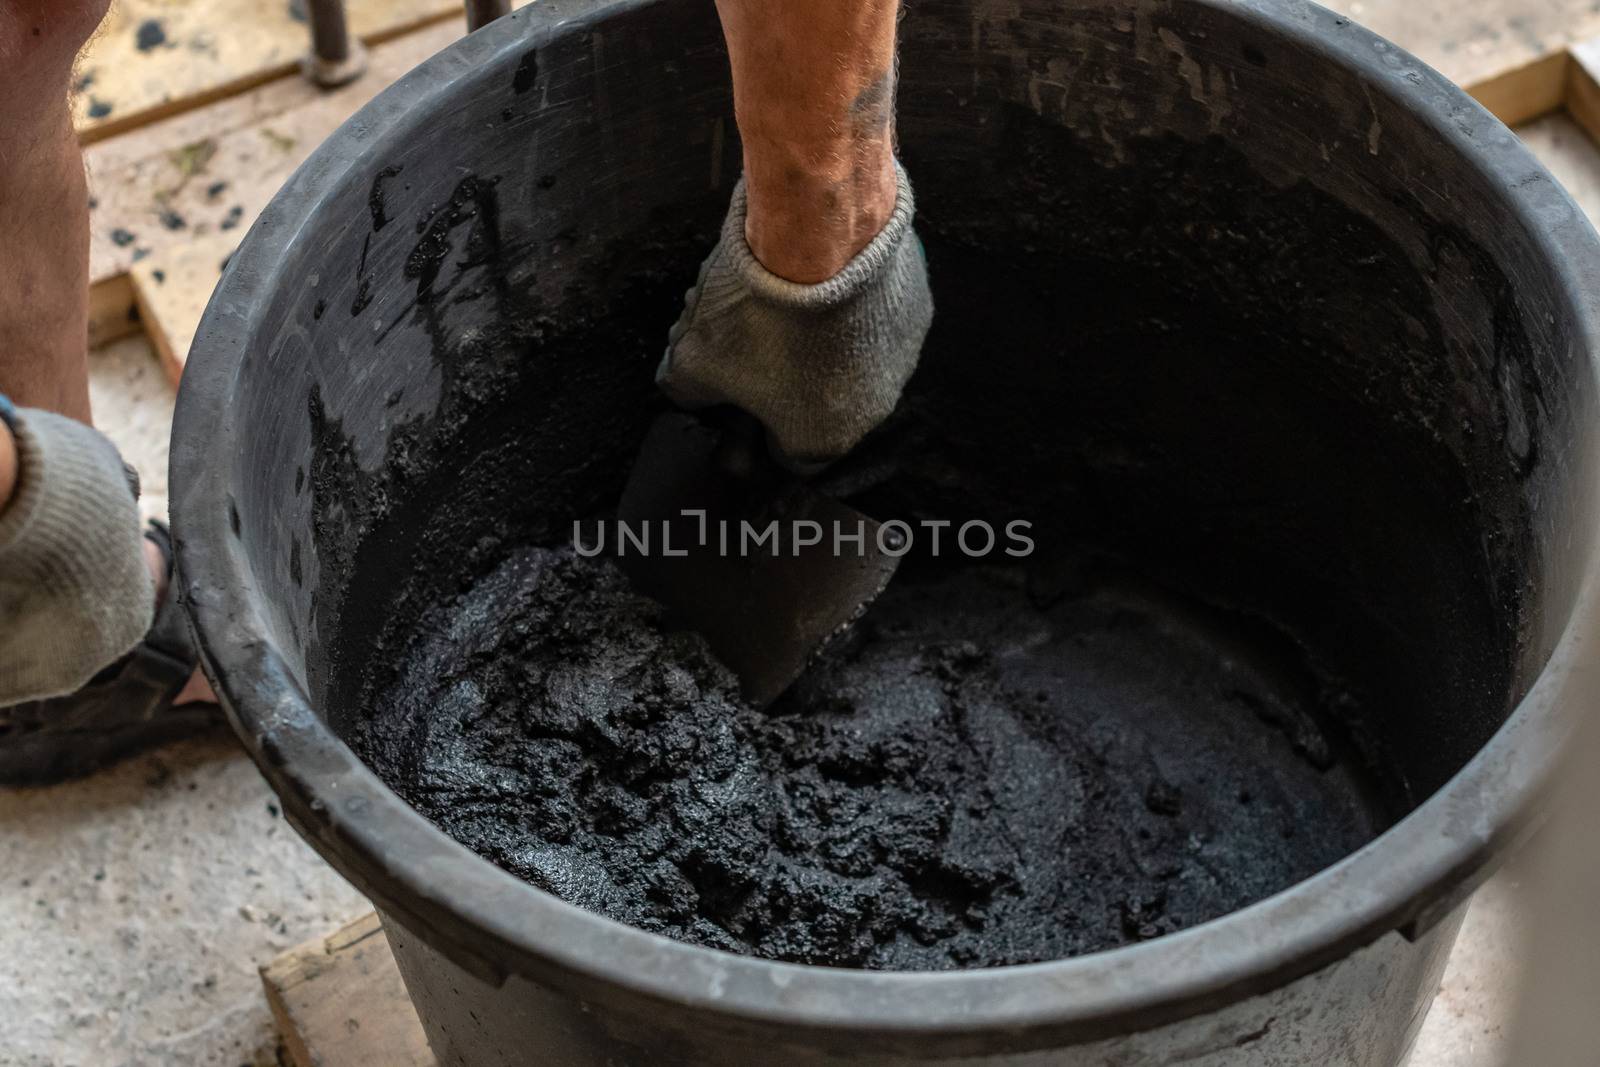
(1236, 288)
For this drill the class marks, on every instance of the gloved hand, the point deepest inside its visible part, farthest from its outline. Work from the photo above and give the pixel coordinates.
(75, 592)
(819, 365)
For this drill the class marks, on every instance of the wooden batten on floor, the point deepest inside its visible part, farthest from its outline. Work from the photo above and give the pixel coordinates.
(339, 1001)
(155, 58)
(1583, 86)
(1529, 92)
(172, 291)
(1511, 55)
(171, 200)
(113, 313)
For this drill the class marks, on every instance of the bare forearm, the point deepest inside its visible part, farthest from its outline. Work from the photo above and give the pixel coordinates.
(824, 204)
(44, 212)
(44, 280)
(813, 84)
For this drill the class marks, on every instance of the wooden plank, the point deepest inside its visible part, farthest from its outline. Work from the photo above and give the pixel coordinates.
(1572, 156)
(1526, 93)
(193, 174)
(339, 1001)
(172, 291)
(181, 181)
(1478, 43)
(112, 311)
(1583, 86)
(153, 58)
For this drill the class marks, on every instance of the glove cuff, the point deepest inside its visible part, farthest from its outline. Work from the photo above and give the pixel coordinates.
(819, 365)
(864, 267)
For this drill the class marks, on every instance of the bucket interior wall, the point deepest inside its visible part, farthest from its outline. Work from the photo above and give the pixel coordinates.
(1209, 302)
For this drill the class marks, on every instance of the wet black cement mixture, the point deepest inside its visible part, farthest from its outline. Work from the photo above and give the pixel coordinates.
(1001, 765)
(990, 770)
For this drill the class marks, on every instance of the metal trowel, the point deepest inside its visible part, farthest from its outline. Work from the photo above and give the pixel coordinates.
(744, 552)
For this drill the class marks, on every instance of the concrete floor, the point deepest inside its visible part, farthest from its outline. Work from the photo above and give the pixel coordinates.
(137, 905)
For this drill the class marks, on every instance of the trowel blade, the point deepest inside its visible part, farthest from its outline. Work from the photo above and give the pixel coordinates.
(740, 570)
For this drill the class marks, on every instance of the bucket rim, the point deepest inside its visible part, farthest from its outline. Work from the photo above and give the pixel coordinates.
(494, 924)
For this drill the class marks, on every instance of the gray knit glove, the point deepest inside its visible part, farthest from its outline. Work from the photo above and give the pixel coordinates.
(75, 592)
(820, 365)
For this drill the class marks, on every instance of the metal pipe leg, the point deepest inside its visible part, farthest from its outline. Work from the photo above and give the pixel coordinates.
(483, 12)
(336, 56)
